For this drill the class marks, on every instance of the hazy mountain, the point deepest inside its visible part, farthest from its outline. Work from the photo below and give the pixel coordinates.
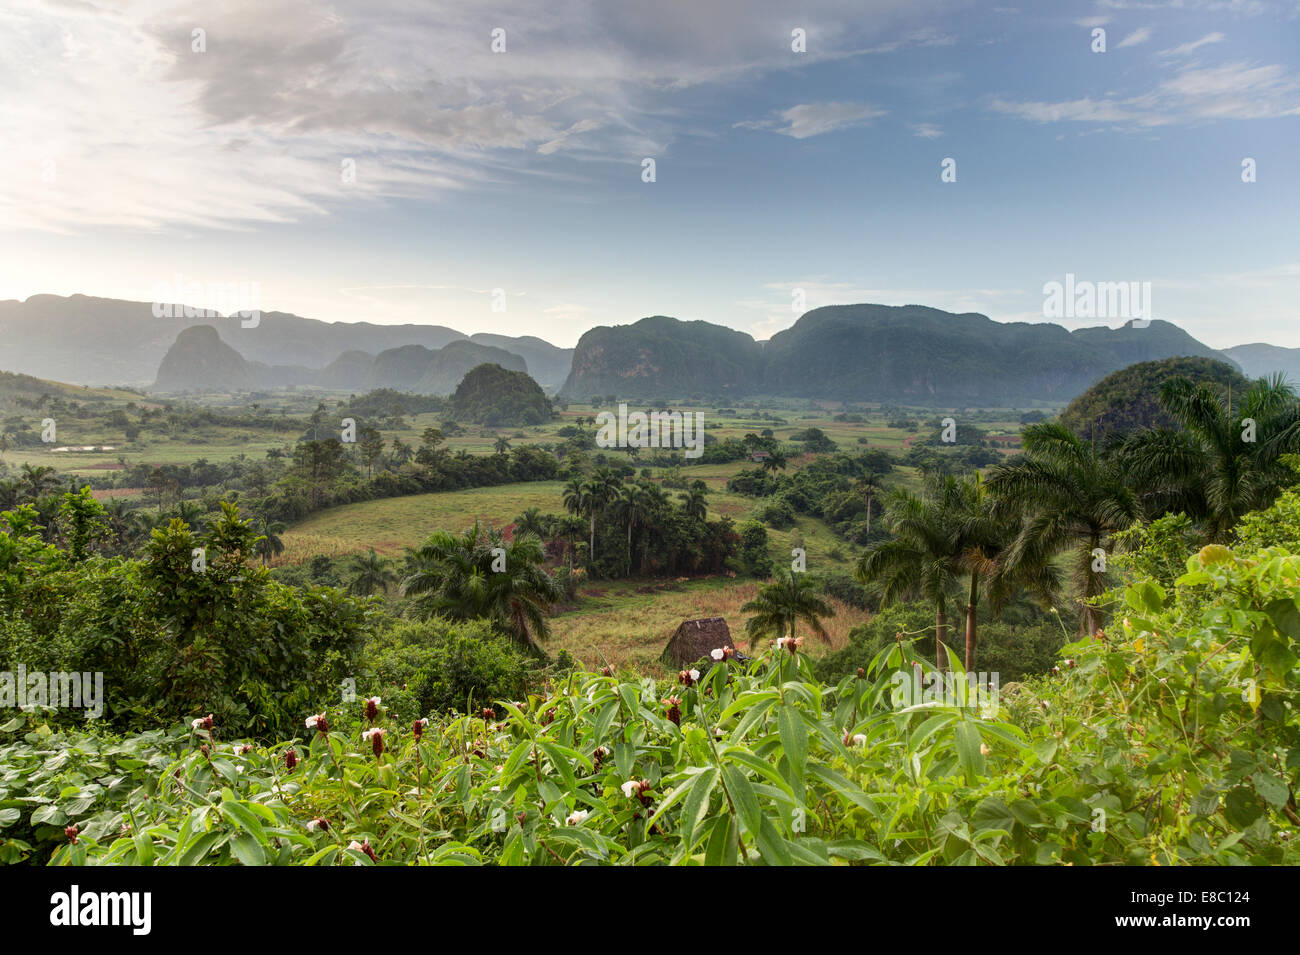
(869, 352)
(448, 365)
(108, 341)
(200, 361)
(547, 364)
(1129, 399)
(1261, 361)
(661, 356)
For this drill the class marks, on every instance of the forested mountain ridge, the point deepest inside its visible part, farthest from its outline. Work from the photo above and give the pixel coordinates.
(869, 352)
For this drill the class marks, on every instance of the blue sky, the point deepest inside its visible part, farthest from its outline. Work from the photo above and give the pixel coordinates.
(132, 159)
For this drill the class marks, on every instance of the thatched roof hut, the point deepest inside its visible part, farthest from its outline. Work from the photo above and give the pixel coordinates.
(693, 640)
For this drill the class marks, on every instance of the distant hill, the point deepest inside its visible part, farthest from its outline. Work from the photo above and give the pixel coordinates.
(498, 397)
(1128, 400)
(547, 364)
(199, 361)
(661, 356)
(1262, 361)
(868, 353)
(97, 341)
(449, 364)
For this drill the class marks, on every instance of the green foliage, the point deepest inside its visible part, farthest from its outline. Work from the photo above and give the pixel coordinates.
(420, 668)
(195, 627)
(492, 396)
(1167, 741)
(1128, 400)
(754, 557)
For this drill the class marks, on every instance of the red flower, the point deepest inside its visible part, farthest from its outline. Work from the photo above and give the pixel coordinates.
(376, 737)
(489, 714)
(290, 758)
(372, 708)
(71, 833)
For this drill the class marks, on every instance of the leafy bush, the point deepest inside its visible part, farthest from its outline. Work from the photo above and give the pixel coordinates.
(777, 513)
(436, 666)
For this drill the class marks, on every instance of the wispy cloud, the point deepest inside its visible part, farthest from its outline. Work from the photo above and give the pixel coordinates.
(1140, 35)
(1231, 91)
(814, 119)
(1189, 48)
(926, 130)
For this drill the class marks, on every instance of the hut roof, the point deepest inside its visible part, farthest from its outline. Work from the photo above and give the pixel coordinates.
(693, 640)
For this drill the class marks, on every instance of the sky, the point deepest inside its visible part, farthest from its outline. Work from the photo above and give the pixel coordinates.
(379, 160)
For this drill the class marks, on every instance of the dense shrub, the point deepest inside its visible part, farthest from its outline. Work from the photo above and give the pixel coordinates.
(435, 666)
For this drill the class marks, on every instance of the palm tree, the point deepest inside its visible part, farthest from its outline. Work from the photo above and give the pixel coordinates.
(1074, 499)
(502, 445)
(925, 557)
(781, 604)
(269, 544)
(633, 506)
(11, 493)
(774, 461)
(986, 535)
(532, 521)
(577, 501)
(868, 488)
(37, 481)
(370, 573)
(693, 502)
(401, 452)
(461, 577)
(1215, 468)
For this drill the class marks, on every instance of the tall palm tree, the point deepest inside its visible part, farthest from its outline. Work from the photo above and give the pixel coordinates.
(269, 543)
(986, 535)
(502, 445)
(1074, 498)
(868, 487)
(370, 573)
(632, 505)
(577, 501)
(460, 577)
(780, 605)
(1215, 467)
(925, 556)
(693, 501)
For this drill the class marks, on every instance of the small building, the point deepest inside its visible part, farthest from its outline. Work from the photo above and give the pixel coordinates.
(760, 456)
(695, 639)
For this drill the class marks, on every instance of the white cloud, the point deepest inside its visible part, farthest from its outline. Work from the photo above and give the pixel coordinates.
(926, 130)
(146, 134)
(1140, 35)
(1193, 46)
(1231, 91)
(814, 119)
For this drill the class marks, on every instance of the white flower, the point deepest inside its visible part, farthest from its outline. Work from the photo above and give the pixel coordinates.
(860, 739)
(315, 824)
(496, 789)
(781, 642)
(695, 676)
(355, 846)
(576, 818)
(423, 722)
(371, 732)
(717, 732)
(717, 654)
(313, 720)
(196, 724)
(630, 788)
